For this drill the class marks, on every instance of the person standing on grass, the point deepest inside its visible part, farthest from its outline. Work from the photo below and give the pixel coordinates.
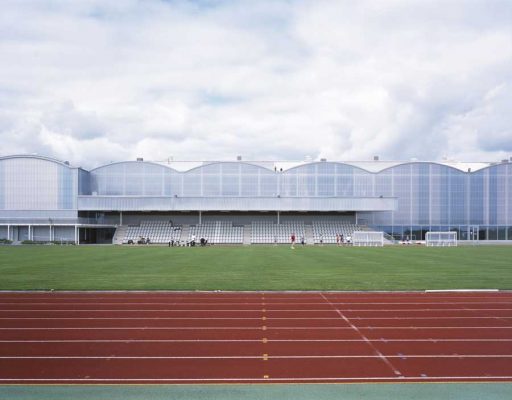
(292, 239)
(337, 240)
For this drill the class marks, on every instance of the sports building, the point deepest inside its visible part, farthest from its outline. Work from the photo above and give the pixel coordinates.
(43, 199)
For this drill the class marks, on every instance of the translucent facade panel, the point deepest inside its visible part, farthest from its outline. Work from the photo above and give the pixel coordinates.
(31, 183)
(84, 182)
(306, 184)
(192, 182)
(421, 193)
(363, 183)
(268, 184)
(134, 179)
(231, 185)
(384, 184)
(402, 187)
(424, 196)
(458, 195)
(499, 193)
(326, 185)
(249, 181)
(173, 183)
(428, 194)
(211, 185)
(289, 184)
(477, 198)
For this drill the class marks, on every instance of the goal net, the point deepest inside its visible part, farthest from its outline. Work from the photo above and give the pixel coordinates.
(365, 238)
(441, 239)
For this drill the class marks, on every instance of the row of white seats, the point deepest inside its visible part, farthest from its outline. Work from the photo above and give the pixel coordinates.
(217, 232)
(269, 232)
(155, 231)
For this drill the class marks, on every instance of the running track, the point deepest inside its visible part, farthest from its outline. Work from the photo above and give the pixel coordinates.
(196, 337)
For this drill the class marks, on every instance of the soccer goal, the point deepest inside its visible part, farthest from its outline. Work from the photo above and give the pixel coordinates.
(441, 239)
(365, 238)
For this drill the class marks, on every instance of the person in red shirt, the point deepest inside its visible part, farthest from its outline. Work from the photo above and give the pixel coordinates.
(293, 240)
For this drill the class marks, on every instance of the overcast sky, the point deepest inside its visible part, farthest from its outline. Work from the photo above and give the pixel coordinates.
(95, 81)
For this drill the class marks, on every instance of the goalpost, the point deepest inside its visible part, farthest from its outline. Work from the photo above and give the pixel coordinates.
(366, 238)
(441, 239)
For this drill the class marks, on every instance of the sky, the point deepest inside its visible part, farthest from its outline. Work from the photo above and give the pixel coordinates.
(96, 81)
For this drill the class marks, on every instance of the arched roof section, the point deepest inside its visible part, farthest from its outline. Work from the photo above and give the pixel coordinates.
(35, 157)
(497, 167)
(334, 164)
(448, 167)
(135, 164)
(218, 165)
(37, 183)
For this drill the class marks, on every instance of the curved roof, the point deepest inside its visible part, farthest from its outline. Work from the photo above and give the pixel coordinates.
(270, 166)
(133, 162)
(207, 164)
(493, 165)
(423, 162)
(325, 163)
(37, 157)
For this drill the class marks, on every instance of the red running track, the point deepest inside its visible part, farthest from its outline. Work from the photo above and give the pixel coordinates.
(188, 337)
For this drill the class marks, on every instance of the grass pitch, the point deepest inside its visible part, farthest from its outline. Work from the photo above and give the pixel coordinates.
(254, 268)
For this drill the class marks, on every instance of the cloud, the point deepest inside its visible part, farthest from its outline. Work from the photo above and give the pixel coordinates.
(94, 81)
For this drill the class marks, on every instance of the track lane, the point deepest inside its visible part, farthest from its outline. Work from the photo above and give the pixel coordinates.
(297, 338)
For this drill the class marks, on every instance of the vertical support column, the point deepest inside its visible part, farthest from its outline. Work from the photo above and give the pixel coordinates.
(29, 232)
(278, 217)
(50, 233)
(200, 217)
(120, 218)
(8, 232)
(76, 239)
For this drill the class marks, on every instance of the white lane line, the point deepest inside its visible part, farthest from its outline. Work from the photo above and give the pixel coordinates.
(257, 310)
(419, 318)
(288, 379)
(377, 352)
(429, 340)
(248, 318)
(499, 318)
(373, 328)
(255, 357)
(164, 318)
(255, 303)
(360, 296)
(460, 290)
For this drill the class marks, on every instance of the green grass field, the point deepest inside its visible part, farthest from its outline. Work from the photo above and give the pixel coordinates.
(254, 268)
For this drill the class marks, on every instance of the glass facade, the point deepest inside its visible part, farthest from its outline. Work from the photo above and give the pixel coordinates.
(425, 196)
(432, 197)
(37, 183)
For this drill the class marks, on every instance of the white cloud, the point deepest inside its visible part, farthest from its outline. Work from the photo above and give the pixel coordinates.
(94, 81)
